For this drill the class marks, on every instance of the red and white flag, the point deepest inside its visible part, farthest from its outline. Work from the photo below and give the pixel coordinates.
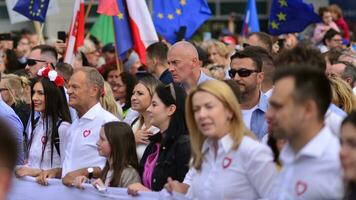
(76, 32)
(142, 28)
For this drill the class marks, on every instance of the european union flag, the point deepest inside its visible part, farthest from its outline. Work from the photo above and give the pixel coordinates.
(250, 24)
(123, 37)
(291, 16)
(35, 10)
(169, 16)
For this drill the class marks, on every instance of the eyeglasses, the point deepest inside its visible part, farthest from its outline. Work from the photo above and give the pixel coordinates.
(32, 62)
(241, 72)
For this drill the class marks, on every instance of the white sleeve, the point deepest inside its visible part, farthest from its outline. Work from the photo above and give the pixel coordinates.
(188, 179)
(261, 170)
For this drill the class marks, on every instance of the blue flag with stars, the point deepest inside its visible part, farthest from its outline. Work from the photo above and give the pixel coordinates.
(122, 30)
(170, 15)
(290, 16)
(35, 10)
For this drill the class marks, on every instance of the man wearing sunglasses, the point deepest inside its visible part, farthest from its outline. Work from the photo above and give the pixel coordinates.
(246, 70)
(40, 56)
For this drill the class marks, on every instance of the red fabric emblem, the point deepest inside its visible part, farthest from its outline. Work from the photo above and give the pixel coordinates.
(300, 188)
(86, 133)
(226, 162)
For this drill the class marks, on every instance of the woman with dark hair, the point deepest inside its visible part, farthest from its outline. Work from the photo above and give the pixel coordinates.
(168, 152)
(126, 84)
(122, 85)
(347, 154)
(47, 135)
(117, 144)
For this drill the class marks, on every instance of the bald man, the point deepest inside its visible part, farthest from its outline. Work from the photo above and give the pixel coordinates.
(184, 65)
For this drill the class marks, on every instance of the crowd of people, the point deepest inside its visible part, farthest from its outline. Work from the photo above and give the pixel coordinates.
(268, 118)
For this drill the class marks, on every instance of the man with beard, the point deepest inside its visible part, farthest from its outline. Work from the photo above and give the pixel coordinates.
(246, 70)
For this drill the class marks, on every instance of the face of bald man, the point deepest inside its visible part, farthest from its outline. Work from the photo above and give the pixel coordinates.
(182, 61)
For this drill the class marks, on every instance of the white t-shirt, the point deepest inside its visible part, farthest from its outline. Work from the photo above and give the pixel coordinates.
(38, 140)
(243, 173)
(312, 173)
(81, 151)
(140, 148)
(246, 115)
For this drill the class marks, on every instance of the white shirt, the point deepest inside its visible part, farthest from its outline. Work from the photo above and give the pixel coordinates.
(313, 173)
(39, 138)
(81, 151)
(354, 90)
(140, 148)
(243, 173)
(246, 116)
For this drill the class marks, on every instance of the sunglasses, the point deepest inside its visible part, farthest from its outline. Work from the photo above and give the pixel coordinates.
(241, 72)
(32, 62)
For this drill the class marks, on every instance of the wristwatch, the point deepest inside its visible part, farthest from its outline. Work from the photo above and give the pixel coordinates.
(90, 172)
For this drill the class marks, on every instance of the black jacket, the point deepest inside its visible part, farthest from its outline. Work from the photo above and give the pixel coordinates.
(173, 159)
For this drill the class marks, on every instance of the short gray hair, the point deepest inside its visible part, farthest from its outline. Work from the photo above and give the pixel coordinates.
(93, 77)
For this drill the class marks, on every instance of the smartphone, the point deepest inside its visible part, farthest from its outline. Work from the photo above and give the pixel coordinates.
(61, 35)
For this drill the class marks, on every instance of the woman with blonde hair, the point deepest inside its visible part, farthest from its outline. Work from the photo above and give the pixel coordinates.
(342, 94)
(219, 55)
(108, 102)
(13, 92)
(227, 162)
(140, 101)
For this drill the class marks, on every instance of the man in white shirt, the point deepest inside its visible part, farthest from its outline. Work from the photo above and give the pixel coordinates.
(84, 89)
(311, 164)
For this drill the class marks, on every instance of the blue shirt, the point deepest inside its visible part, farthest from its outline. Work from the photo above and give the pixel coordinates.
(203, 77)
(166, 77)
(258, 122)
(16, 126)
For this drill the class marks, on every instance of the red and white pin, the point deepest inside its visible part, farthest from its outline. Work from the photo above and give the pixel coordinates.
(300, 188)
(86, 133)
(226, 162)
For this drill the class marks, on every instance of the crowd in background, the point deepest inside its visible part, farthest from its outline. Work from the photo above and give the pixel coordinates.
(259, 117)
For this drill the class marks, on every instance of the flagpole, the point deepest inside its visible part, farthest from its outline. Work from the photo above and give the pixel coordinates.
(119, 67)
(87, 15)
(39, 29)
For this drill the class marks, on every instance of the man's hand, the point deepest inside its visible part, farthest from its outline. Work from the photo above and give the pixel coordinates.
(69, 178)
(27, 171)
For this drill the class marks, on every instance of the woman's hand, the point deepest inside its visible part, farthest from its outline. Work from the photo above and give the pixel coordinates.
(45, 174)
(176, 186)
(134, 188)
(78, 182)
(27, 171)
(141, 136)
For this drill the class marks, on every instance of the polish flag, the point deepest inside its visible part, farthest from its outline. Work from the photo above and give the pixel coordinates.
(142, 28)
(76, 32)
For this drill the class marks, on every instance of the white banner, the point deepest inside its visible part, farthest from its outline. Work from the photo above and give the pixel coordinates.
(27, 189)
(16, 17)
